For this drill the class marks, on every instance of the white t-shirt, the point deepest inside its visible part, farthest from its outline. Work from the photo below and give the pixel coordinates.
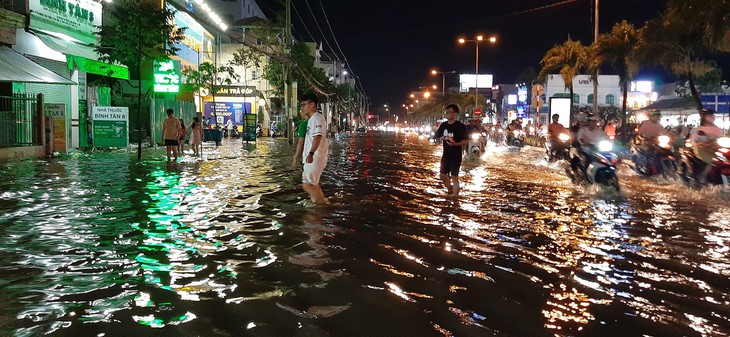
(712, 132)
(650, 129)
(587, 136)
(316, 126)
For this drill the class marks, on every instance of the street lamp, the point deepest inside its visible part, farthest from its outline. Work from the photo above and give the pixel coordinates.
(443, 78)
(478, 39)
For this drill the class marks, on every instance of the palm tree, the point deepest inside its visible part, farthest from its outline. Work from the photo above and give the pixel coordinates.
(568, 59)
(678, 40)
(618, 48)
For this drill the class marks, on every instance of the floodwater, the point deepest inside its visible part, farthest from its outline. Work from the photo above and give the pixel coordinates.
(100, 245)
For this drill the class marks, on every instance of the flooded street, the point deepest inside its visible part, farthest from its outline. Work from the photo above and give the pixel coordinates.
(100, 245)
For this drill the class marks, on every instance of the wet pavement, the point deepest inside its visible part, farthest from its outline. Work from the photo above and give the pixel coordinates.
(100, 245)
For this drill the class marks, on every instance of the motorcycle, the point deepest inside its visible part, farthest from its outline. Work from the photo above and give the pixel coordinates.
(690, 167)
(558, 149)
(476, 144)
(496, 135)
(516, 138)
(599, 166)
(654, 158)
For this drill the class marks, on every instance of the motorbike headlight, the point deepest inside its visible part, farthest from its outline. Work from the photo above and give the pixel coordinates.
(475, 136)
(517, 133)
(500, 130)
(663, 141)
(724, 142)
(428, 129)
(532, 129)
(564, 137)
(605, 146)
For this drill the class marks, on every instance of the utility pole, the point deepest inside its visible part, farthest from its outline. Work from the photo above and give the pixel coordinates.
(598, 71)
(289, 105)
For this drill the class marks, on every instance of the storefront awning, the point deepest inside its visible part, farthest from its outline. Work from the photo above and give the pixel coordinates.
(96, 67)
(15, 67)
(85, 58)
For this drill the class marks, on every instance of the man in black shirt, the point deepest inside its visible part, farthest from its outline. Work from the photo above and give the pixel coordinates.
(454, 137)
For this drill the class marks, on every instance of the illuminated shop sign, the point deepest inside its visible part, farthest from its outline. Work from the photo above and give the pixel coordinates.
(167, 76)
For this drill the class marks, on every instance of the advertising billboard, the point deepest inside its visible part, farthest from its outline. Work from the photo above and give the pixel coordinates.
(560, 106)
(57, 112)
(467, 81)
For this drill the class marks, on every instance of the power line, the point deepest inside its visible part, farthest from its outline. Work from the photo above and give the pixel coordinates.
(302, 21)
(357, 78)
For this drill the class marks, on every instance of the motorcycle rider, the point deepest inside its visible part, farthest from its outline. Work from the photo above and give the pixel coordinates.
(554, 130)
(588, 134)
(472, 128)
(649, 130)
(704, 142)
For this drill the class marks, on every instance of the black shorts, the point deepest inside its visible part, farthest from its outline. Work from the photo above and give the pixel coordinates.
(171, 142)
(450, 167)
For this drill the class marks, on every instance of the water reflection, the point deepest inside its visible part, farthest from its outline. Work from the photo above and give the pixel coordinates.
(102, 245)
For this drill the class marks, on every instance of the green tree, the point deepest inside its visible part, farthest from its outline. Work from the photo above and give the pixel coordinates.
(618, 48)
(210, 78)
(568, 59)
(137, 32)
(304, 72)
(678, 41)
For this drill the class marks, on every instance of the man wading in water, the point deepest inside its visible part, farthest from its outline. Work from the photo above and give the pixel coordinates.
(454, 136)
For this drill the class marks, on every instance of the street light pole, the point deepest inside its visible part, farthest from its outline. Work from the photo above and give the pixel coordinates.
(443, 79)
(478, 39)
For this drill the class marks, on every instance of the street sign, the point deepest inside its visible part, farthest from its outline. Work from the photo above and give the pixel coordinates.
(57, 112)
(477, 112)
(110, 125)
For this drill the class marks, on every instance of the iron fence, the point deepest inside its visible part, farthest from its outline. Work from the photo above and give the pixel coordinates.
(19, 121)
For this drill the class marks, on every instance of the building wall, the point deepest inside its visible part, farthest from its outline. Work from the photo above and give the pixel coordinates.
(582, 86)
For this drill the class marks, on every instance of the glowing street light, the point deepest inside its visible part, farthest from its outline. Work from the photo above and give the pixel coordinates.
(443, 79)
(476, 41)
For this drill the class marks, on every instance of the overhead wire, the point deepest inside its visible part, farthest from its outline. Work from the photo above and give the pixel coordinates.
(327, 20)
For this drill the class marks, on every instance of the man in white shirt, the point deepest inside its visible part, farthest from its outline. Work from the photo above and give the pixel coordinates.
(703, 141)
(591, 134)
(316, 148)
(652, 128)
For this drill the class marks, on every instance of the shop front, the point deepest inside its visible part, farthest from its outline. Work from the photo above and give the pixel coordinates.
(234, 108)
(61, 37)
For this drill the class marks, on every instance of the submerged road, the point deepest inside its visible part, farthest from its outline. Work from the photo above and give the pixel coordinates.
(100, 245)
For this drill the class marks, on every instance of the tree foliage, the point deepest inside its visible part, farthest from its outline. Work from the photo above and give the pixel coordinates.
(136, 32)
(684, 35)
(618, 48)
(300, 56)
(568, 59)
(210, 78)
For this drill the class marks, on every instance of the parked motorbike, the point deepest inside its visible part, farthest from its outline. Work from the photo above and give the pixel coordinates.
(558, 149)
(691, 167)
(653, 157)
(596, 166)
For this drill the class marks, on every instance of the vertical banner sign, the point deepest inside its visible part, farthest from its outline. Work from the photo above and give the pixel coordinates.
(249, 127)
(110, 125)
(57, 112)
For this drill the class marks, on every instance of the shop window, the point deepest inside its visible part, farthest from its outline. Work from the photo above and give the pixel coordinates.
(590, 99)
(576, 99)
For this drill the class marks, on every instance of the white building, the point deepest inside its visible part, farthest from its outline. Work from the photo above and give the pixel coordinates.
(609, 90)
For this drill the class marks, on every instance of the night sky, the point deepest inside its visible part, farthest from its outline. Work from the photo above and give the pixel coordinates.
(392, 44)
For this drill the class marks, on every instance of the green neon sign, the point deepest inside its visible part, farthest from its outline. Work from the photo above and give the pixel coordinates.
(167, 76)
